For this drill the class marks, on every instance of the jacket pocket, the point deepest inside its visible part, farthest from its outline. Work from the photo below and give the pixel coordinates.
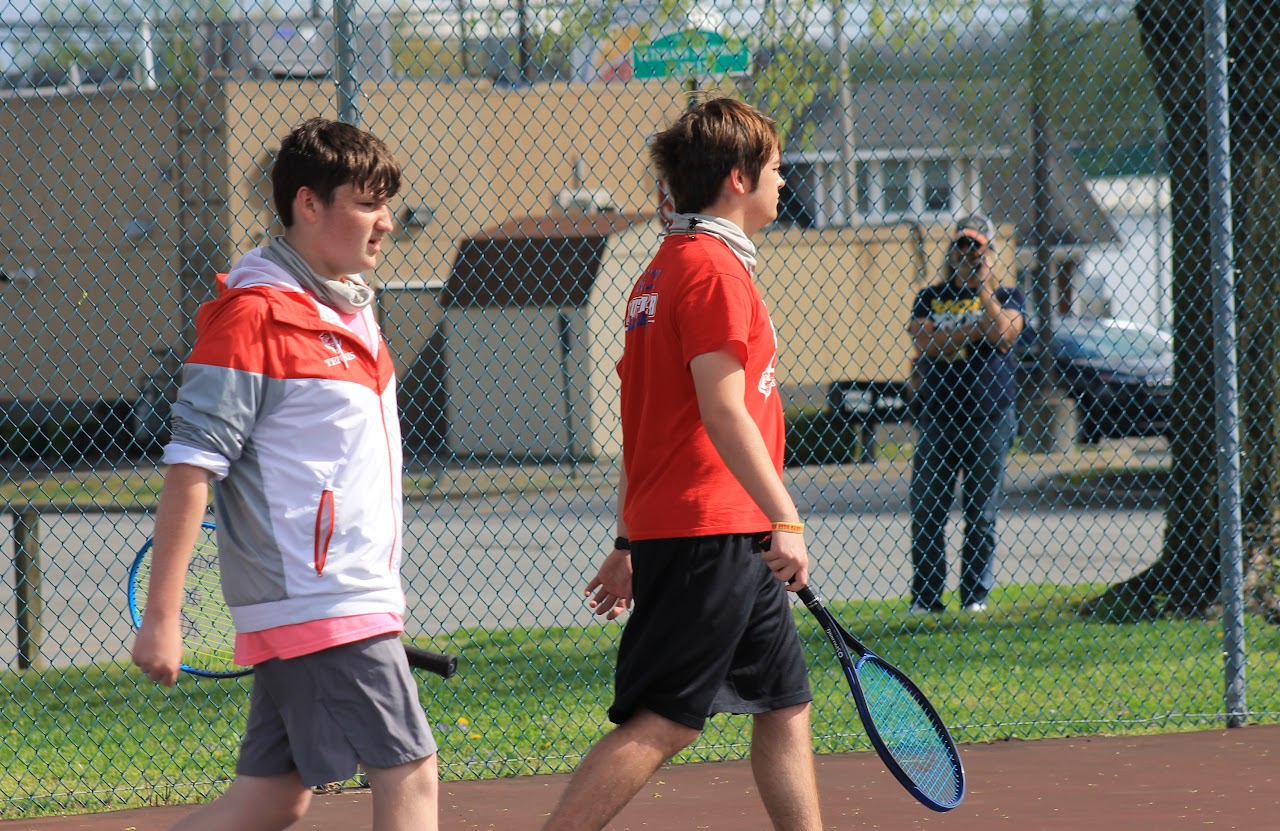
(324, 530)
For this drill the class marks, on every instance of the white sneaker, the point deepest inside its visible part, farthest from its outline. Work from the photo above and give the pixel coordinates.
(975, 608)
(919, 610)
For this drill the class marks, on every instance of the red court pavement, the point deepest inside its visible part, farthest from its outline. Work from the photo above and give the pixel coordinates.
(1215, 780)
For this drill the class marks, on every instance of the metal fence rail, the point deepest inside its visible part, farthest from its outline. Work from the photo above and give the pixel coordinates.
(1135, 211)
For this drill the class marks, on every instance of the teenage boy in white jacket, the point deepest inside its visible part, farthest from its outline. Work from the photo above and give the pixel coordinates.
(288, 407)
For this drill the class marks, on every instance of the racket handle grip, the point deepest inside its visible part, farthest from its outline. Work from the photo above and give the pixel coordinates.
(443, 665)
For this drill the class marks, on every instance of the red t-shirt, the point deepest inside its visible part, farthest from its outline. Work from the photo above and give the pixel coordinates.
(695, 297)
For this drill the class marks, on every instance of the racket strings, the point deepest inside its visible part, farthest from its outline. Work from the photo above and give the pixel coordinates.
(207, 629)
(204, 611)
(912, 733)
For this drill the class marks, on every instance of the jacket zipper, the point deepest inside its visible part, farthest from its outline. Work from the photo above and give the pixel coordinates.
(324, 529)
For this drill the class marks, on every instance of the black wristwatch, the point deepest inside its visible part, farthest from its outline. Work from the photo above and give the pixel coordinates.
(622, 543)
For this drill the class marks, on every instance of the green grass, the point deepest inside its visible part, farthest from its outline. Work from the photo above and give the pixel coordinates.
(84, 489)
(1102, 475)
(528, 702)
(137, 491)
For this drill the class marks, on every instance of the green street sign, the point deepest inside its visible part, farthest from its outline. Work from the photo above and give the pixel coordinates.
(693, 53)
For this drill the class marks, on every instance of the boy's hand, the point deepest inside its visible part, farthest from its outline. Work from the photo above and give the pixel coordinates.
(788, 558)
(611, 585)
(157, 650)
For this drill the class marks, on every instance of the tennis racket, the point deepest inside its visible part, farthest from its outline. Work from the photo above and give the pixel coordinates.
(208, 635)
(903, 726)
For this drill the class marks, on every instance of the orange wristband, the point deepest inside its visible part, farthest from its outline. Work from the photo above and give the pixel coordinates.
(789, 527)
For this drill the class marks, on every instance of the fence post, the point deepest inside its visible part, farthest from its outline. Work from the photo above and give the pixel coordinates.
(26, 581)
(346, 68)
(1227, 424)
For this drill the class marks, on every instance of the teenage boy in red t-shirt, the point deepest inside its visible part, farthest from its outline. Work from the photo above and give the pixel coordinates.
(702, 491)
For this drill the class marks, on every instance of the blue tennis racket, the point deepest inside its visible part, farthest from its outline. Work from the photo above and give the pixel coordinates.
(208, 634)
(904, 728)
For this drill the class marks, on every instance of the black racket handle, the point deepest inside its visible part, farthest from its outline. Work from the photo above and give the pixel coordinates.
(811, 601)
(443, 665)
(809, 598)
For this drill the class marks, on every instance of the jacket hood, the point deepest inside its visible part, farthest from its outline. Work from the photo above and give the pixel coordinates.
(253, 269)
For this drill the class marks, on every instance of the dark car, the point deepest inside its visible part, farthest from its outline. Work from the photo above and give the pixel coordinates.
(1119, 373)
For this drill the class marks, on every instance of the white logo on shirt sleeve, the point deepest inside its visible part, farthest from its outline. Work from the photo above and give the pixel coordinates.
(768, 380)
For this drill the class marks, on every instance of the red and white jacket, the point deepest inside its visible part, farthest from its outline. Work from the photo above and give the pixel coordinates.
(296, 418)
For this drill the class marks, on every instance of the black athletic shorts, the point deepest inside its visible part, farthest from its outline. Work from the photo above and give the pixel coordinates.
(711, 631)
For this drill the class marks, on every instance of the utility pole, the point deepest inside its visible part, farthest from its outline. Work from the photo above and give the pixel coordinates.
(1045, 415)
(847, 149)
(526, 42)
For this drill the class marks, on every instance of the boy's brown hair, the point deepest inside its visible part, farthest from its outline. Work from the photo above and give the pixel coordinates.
(696, 154)
(324, 155)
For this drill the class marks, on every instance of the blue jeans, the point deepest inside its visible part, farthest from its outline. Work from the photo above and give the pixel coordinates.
(975, 451)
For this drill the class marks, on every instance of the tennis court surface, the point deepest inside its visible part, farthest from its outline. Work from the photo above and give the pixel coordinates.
(1216, 779)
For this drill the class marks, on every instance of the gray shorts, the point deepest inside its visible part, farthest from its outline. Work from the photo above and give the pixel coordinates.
(324, 713)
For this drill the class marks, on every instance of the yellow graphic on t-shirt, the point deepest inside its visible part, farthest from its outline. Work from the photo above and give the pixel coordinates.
(950, 314)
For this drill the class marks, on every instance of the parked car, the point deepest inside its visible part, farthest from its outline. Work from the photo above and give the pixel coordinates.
(1119, 373)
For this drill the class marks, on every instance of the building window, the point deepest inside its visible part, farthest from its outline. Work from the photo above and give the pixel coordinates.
(886, 190)
(898, 194)
(814, 195)
(897, 188)
(867, 191)
(937, 185)
(797, 206)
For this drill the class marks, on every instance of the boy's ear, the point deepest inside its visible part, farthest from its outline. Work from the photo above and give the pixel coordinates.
(739, 183)
(306, 204)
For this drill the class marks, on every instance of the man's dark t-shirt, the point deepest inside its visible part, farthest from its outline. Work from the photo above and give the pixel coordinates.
(977, 381)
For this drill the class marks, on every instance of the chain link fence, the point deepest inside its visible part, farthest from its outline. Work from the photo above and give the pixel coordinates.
(137, 144)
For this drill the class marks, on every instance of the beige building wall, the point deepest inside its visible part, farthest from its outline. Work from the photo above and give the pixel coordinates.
(473, 155)
(90, 254)
(101, 309)
(98, 193)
